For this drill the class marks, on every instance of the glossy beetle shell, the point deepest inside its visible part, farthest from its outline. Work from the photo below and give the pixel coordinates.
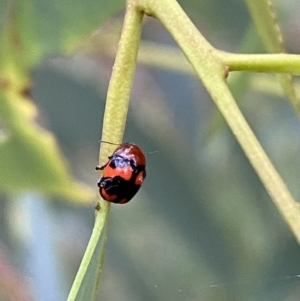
(123, 174)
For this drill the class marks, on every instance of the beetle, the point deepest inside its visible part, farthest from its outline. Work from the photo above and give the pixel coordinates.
(123, 174)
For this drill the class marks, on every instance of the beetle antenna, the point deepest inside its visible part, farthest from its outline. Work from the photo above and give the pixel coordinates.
(112, 143)
(151, 153)
(108, 142)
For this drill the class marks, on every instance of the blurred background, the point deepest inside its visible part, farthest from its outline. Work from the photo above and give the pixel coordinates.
(202, 227)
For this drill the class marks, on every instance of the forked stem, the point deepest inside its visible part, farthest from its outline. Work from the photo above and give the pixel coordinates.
(211, 66)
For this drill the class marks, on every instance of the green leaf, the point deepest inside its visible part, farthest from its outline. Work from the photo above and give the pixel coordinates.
(30, 31)
(38, 28)
(30, 159)
(264, 18)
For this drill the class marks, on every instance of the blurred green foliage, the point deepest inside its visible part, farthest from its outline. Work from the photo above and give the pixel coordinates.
(202, 227)
(31, 31)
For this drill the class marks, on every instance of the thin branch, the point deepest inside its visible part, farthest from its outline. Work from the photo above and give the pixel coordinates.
(277, 62)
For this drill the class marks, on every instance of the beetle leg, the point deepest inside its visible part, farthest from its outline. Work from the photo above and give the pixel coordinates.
(98, 167)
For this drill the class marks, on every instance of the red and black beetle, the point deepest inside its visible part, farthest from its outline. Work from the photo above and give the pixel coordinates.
(123, 174)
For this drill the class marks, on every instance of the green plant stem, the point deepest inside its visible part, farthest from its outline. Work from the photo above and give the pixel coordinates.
(122, 78)
(265, 21)
(170, 58)
(210, 65)
(279, 62)
(113, 125)
(97, 230)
